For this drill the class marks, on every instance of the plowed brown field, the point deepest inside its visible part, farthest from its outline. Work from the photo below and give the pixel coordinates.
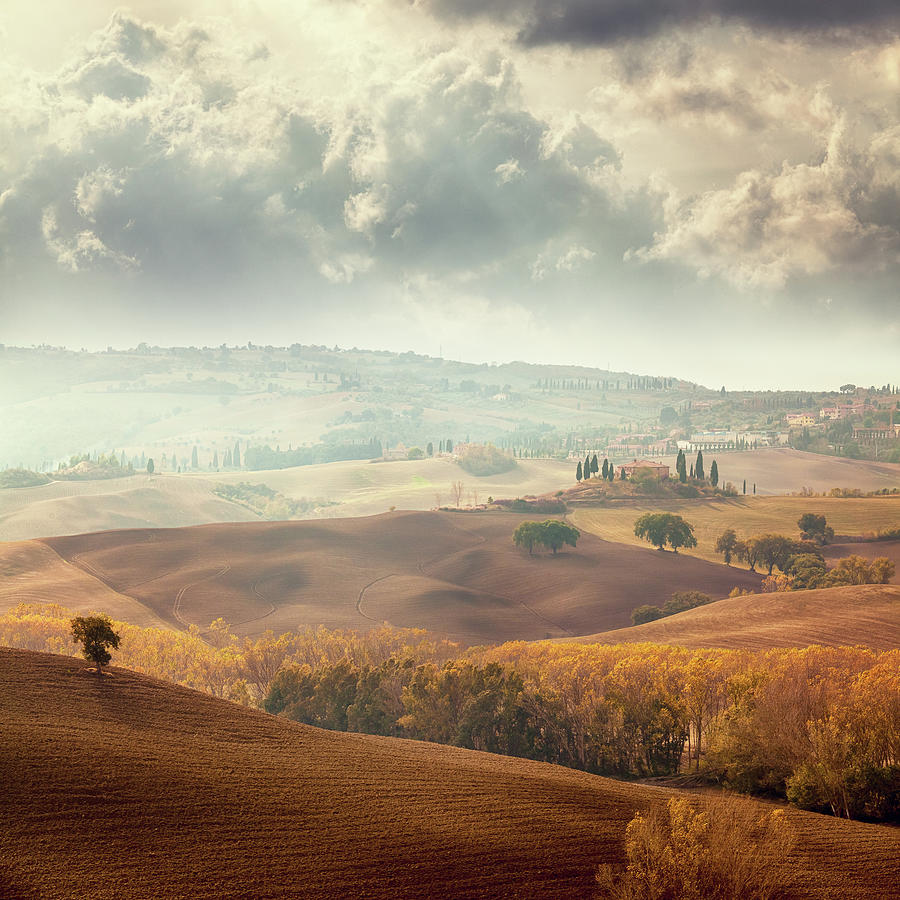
(457, 574)
(126, 787)
(866, 615)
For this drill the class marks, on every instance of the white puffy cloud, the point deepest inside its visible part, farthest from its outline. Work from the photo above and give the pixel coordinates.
(801, 220)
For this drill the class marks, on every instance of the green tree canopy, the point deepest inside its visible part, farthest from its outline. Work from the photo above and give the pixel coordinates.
(552, 534)
(96, 635)
(665, 528)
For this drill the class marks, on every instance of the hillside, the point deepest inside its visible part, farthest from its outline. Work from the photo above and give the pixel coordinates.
(354, 487)
(747, 516)
(133, 788)
(866, 615)
(783, 470)
(454, 573)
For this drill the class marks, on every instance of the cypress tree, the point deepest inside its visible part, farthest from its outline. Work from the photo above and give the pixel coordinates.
(605, 470)
(612, 472)
(595, 467)
(578, 471)
(714, 474)
(215, 461)
(586, 469)
(745, 485)
(698, 466)
(236, 454)
(195, 462)
(681, 466)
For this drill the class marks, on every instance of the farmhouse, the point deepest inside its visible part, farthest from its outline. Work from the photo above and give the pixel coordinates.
(399, 452)
(658, 469)
(800, 420)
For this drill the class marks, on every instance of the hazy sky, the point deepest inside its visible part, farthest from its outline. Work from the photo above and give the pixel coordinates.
(708, 189)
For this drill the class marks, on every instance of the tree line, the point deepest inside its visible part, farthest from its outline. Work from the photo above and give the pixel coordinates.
(819, 726)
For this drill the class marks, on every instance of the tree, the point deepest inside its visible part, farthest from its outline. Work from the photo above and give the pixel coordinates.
(745, 485)
(96, 635)
(526, 535)
(665, 528)
(667, 416)
(586, 468)
(698, 467)
(604, 472)
(681, 466)
(430, 449)
(150, 466)
(773, 550)
(456, 491)
(814, 528)
(554, 534)
(595, 467)
(645, 613)
(215, 461)
(611, 474)
(236, 455)
(714, 474)
(195, 462)
(578, 475)
(728, 545)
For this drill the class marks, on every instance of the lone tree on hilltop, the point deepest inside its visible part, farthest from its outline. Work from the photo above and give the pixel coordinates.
(96, 635)
(665, 528)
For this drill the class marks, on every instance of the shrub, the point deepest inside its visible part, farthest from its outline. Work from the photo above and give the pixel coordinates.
(646, 613)
(684, 854)
(485, 459)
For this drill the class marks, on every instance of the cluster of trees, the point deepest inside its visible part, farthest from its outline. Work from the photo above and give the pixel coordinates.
(820, 726)
(801, 563)
(591, 467)
(265, 502)
(665, 528)
(680, 601)
(551, 533)
(698, 470)
(266, 458)
(485, 459)
(13, 478)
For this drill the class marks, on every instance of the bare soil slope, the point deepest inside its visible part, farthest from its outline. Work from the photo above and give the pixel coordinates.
(31, 572)
(126, 787)
(866, 615)
(457, 574)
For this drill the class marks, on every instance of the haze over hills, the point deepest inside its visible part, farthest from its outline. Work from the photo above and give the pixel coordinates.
(127, 787)
(454, 573)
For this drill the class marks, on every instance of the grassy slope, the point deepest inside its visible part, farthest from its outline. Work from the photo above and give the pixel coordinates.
(867, 615)
(746, 515)
(132, 788)
(167, 501)
(454, 573)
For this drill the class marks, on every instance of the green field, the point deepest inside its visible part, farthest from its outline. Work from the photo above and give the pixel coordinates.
(746, 515)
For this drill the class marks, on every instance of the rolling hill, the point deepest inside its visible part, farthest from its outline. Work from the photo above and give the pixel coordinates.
(355, 488)
(747, 516)
(126, 787)
(866, 615)
(454, 573)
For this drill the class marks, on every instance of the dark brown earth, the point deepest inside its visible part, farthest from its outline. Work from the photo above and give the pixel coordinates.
(126, 787)
(456, 574)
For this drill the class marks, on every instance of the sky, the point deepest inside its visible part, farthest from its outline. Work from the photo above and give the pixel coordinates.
(708, 189)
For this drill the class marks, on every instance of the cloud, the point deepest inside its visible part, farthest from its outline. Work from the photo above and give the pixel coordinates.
(194, 165)
(840, 215)
(604, 22)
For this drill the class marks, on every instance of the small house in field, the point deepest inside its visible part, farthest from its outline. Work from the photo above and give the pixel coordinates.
(640, 465)
(399, 452)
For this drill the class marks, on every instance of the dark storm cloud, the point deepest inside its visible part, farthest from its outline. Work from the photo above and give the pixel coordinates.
(601, 22)
(180, 161)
